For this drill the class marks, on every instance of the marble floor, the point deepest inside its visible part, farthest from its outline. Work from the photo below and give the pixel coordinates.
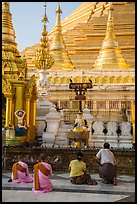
(64, 191)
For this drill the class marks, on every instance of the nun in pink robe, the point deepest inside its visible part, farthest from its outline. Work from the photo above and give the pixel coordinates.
(20, 173)
(41, 182)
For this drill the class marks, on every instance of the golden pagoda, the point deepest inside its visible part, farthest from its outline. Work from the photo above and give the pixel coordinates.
(87, 32)
(83, 34)
(19, 92)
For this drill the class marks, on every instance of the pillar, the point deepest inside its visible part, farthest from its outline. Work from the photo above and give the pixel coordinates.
(34, 113)
(8, 110)
(32, 120)
(28, 110)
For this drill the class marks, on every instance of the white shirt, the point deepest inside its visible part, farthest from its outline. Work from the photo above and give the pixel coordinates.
(106, 156)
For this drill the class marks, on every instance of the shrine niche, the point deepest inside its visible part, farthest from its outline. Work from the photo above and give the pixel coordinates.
(20, 96)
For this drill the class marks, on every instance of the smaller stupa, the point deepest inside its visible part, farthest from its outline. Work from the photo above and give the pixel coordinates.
(110, 56)
(58, 47)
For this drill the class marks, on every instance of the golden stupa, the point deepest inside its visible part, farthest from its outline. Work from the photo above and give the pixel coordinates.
(62, 59)
(101, 44)
(84, 31)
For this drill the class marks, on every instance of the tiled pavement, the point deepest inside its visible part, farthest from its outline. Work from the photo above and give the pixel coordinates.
(64, 191)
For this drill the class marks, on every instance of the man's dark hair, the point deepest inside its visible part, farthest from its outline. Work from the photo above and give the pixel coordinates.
(79, 156)
(106, 145)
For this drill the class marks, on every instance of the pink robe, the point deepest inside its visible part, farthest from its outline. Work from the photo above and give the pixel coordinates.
(23, 177)
(45, 183)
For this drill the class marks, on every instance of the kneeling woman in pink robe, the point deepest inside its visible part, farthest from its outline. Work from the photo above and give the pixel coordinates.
(42, 171)
(20, 172)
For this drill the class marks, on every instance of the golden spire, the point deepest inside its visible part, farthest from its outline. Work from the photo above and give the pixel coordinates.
(8, 33)
(110, 56)
(43, 59)
(10, 61)
(57, 44)
(58, 48)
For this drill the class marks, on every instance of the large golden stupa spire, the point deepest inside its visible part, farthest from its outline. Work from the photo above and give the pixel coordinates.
(43, 59)
(10, 54)
(62, 60)
(110, 56)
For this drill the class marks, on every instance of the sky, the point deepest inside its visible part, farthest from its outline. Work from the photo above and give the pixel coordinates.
(27, 16)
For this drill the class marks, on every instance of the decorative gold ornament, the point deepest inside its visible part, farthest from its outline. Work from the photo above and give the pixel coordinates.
(43, 59)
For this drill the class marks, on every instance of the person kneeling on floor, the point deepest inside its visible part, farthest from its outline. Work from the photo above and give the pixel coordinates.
(77, 169)
(107, 165)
